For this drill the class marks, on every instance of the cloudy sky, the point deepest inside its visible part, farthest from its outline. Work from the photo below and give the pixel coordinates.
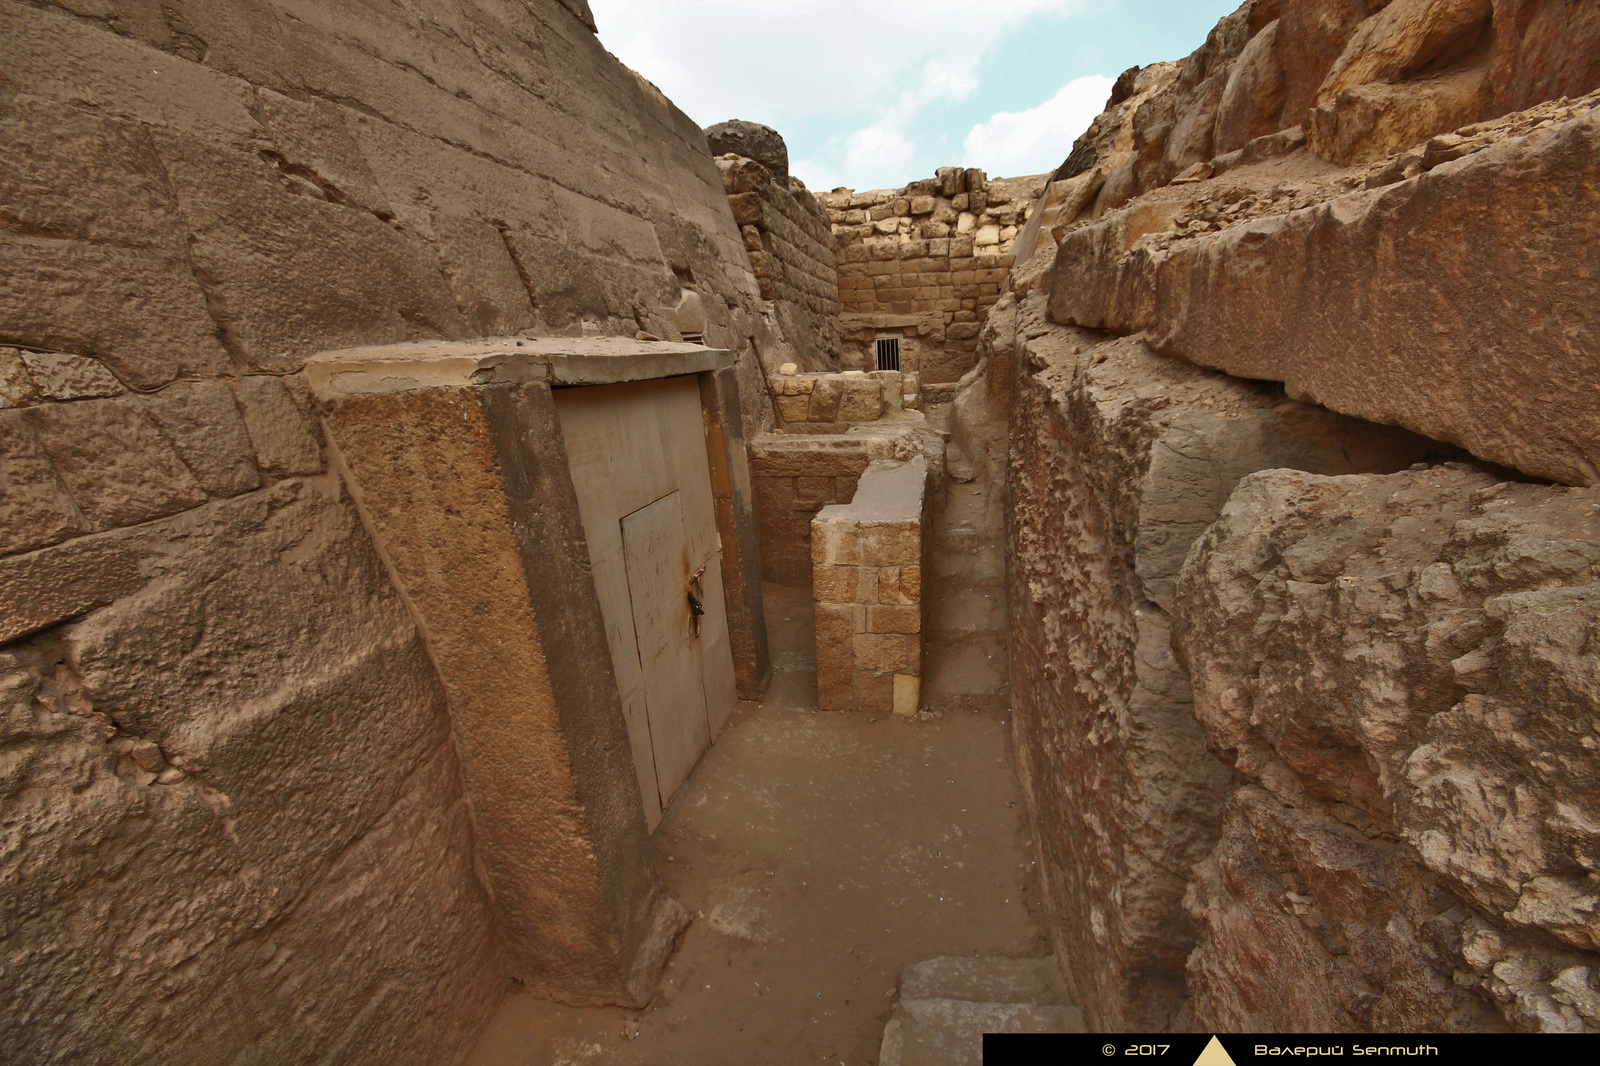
(876, 93)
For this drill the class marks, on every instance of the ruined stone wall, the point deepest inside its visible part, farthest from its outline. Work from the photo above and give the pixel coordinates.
(925, 262)
(795, 475)
(1297, 834)
(867, 562)
(238, 826)
(787, 233)
(832, 403)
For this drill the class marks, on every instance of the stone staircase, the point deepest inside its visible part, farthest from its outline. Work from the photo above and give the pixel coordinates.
(947, 1004)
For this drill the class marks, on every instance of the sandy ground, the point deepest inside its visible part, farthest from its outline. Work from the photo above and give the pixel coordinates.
(820, 854)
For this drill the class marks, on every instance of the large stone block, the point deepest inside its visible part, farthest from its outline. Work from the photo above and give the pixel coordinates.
(1311, 38)
(1404, 38)
(1253, 97)
(301, 793)
(1544, 51)
(488, 286)
(881, 652)
(41, 588)
(834, 584)
(1446, 303)
(279, 429)
(141, 311)
(72, 61)
(35, 509)
(1367, 123)
(887, 618)
(284, 294)
(118, 467)
(1402, 658)
(74, 175)
(203, 423)
(315, 145)
(469, 491)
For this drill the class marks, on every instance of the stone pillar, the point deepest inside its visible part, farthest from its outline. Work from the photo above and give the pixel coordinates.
(867, 582)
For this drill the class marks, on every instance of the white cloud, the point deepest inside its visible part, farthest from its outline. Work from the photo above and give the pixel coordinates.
(864, 69)
(1038, 139)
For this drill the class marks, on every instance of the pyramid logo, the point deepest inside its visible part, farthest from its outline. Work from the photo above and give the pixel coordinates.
(1214, 1055)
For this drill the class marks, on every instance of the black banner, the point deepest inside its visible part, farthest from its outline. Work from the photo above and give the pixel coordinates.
(1465, 1049)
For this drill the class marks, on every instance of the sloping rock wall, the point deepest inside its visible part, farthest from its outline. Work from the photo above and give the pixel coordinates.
(235, 826)
(449, 165)
(1130, 456)
(234, 817)
(1363, 202)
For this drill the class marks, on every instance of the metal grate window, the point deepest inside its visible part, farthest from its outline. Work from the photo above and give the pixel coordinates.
(694, 338)
(888, 353)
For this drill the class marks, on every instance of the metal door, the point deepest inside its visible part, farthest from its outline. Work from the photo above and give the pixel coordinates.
(666, 624)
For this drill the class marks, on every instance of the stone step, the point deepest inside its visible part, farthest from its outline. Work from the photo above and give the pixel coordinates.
(949, 1032)
(947, 1004)
(958, 611)
(983, 569)
(985, 979)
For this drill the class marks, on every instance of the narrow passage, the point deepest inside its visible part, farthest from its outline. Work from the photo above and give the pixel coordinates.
(821, 854)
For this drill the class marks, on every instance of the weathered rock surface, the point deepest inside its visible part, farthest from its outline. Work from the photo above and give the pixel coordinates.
(1405, 666)
(235, 828)
(235, 786)
(1365, 78)
(1442, 302)
(1385, 207)
(1129, 456)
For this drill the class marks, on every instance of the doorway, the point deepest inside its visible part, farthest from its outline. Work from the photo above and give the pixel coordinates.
(637, 453)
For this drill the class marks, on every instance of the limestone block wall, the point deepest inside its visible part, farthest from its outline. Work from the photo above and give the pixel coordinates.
(790, 242)
(926, 262)
(795, 475)
(833, 402)
(867, 583)
(238, 823)
(239, 828)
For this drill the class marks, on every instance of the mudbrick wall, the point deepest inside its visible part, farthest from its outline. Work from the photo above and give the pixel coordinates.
(235, 826)
(925, 262)
(1303, 640)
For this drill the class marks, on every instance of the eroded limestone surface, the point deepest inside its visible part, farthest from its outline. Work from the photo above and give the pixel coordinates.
(1130, 456)
(1404, 667)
